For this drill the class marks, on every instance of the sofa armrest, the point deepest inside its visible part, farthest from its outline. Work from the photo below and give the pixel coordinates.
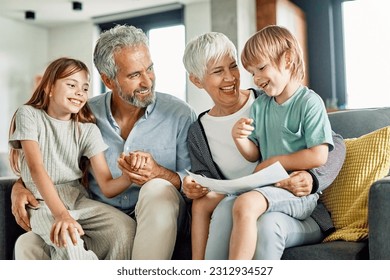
(378, 219)
(9, 230)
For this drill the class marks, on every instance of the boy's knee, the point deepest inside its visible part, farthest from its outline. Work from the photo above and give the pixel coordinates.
(241, 207)
(249, 205)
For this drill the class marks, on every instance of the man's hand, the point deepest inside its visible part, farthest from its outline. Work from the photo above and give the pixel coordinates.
(300, 183)
(20, 198)
(192, 189)
(140, 167)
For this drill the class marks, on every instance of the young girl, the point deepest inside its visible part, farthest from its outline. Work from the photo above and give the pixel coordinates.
(288, 123)
(49, 136)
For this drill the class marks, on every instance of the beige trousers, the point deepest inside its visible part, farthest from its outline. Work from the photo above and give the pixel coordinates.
(151, 236)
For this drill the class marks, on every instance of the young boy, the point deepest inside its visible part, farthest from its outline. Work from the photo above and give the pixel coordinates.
(288, 123)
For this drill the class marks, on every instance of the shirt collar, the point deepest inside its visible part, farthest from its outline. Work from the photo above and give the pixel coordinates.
(150, 107)
(110, 117)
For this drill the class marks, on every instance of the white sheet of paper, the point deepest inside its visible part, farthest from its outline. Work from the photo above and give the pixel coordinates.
(265, 177)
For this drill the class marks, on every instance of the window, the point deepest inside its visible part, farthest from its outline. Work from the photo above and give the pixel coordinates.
(367, 58)
(167, 48)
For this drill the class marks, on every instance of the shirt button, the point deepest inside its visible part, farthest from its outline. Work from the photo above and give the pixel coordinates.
(125, 197)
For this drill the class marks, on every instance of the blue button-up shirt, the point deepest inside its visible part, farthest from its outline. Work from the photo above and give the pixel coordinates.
(161, 131)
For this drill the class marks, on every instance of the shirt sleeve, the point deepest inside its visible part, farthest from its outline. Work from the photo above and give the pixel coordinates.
(183, 158)
(92, 141)
(253, 115)
(316, 123)
(24, 130)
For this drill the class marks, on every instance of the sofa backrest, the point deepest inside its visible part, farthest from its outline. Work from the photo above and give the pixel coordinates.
(357, 122)
(5, 169)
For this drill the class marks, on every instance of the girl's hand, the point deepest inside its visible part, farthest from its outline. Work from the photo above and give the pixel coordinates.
(242, 128)
(137, 161)
(192, 189)
(63, 226)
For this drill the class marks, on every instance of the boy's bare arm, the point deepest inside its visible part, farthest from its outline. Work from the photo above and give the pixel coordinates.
(240, 132)
(302, 160)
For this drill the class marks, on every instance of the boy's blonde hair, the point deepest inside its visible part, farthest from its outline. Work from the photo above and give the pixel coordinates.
(271, 43)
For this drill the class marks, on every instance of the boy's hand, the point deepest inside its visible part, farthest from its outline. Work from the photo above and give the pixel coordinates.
(243, 128)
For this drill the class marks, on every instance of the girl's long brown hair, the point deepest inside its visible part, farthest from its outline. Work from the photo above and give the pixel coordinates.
(58, 69)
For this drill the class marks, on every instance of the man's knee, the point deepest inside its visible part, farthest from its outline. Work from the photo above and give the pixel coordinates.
(159, 202)
(29, 246)
(159, 190)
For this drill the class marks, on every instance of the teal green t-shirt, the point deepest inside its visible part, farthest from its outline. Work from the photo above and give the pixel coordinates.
(299, 123)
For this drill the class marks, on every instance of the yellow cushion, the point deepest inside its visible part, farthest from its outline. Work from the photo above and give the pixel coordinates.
(367, 160)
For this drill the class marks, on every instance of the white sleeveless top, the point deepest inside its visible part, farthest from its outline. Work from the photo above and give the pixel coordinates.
(223, 149)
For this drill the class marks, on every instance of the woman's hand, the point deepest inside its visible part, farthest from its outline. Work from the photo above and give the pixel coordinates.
(192, 189)
(300, 183)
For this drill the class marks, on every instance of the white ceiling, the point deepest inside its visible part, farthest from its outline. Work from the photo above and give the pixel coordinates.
(50, 13)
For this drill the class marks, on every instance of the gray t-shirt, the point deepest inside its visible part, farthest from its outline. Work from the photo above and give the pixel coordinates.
(62, 144)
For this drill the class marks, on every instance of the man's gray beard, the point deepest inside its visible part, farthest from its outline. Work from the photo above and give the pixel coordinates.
(133, 100)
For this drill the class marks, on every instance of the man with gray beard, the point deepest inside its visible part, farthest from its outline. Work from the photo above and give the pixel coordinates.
(140, 122)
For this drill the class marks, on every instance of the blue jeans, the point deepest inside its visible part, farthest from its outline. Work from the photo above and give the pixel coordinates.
(281, 200)
(276, 232)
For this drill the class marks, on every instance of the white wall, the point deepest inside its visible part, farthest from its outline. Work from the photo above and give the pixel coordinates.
(197, 21)
(23, 53)
(246, 27)
(77, 41)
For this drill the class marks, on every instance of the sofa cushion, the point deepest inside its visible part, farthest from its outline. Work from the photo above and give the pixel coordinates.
(337, 250)
(367, 160)
(357, 122)
(10, 230)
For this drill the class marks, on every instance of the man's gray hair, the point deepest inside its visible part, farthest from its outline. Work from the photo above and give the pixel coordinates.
(207, 47)
(113, 40)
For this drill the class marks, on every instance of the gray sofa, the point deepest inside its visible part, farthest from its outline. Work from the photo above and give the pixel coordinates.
(350, 123)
